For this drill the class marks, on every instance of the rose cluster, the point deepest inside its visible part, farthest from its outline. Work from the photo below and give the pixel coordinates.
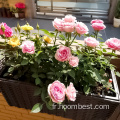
(57, 92)
(69, 24)
(64, 54)
(20, 5)
(6, 30)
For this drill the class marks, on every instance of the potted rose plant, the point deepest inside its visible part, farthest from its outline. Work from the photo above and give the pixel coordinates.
(57, 72)
(116, 21)
(3, 8)
(20, 10)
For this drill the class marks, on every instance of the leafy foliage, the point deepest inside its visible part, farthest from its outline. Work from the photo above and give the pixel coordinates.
(117, 12)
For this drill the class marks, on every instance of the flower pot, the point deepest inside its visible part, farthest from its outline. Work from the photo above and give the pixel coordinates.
(116, 22)
(9, 14)
(4, 14)
(0, 12)
(16, 15)
(21, 15)
(21, 94)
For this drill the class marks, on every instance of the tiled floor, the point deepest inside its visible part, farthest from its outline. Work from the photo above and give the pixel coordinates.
(109, 32)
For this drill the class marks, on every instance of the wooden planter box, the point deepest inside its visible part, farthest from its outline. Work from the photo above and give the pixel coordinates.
(21, 94)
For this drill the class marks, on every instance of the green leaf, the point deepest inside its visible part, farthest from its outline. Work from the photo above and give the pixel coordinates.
(43, 94)
(24, 62)
(48, 33)
(42, 76)
(50, 73)
(86, 89)
(59, 74)
(37, 91)
(65, 71)
(97, 75)
(38, 53)
(99, 52)
(10, 69)
(118, 74)
(49, 106)
(38, 82)
(71, 73)
(37, 108)
(35, 75)
(6, 74)
(80, 56)
(104, 50)
(18, 65)
(62, 37)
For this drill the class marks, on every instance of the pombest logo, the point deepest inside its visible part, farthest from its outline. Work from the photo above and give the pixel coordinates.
(79, 106)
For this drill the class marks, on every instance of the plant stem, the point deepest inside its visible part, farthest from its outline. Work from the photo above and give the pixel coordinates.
(96, 34)
(56, 37)
(73, 39)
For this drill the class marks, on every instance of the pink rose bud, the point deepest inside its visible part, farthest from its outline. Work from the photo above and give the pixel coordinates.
(71, 92)
(98, 26)
(73, 61)
(91, 42)
(69, 18)
(56, 91)
(58, 24)
(110, 80)
(113, 43)
(28, 47)
(69, 27)
(81, 28)
(97, 21)
(63, 54)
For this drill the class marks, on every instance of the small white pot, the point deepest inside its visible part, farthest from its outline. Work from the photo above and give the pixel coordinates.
(116, 22)
(16, 15)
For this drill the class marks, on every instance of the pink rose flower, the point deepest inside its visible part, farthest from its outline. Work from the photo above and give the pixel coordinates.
(113, 43)
(58, 24)
(69, 18)
(63, 54)
(56, 91)
(97, 21)
(1, 32)
(69, 27)
(73, 61)
(71, 92)
(81, 28)
(91, 42)
(20, 5)
(8, 31)
(28, 47)
(98, 26)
